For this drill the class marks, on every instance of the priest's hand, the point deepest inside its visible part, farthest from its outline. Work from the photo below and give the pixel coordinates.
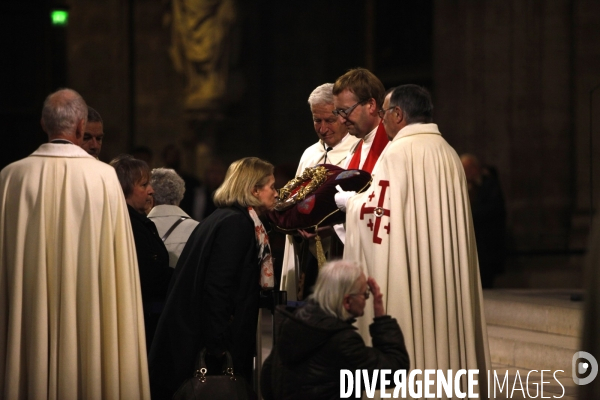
(341, 198)
(378, 309)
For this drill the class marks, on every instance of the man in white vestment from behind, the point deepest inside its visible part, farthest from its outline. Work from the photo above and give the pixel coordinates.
(71, 319)
(333, 148)
(413, 230)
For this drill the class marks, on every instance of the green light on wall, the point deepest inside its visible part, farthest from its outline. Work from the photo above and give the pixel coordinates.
(59, 17)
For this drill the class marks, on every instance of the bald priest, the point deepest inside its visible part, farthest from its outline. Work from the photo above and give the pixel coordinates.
(71, 319)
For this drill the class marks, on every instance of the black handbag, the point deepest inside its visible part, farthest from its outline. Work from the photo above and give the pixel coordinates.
(226, 386)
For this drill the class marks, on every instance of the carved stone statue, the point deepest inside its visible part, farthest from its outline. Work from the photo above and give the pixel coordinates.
(201, 49)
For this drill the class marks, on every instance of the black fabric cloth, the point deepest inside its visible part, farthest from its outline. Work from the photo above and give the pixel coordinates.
(312, 347)
(209, 206)
(212, 302)
(192, 183)
(155, 273)
(489, 223)
(308, 263)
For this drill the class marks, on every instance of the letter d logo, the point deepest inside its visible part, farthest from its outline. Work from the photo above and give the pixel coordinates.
(588, 363)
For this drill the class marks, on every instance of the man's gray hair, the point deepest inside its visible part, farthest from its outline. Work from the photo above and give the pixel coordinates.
(321, 95)
(168, 186)
(415, 102)
(94, 116)
(62, 112)
(336, 279)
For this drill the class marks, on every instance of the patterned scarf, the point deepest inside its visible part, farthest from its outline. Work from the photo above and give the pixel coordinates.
(267, 276)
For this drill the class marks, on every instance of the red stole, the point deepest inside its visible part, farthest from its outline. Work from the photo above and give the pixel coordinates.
(379, 142)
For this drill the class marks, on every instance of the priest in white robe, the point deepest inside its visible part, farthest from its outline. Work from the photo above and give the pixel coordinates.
(413, 231)
(333, 147)
(71, 319)
(334, 141)
(358, 96)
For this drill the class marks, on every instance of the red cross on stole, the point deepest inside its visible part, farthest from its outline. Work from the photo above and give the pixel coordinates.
(377, 212)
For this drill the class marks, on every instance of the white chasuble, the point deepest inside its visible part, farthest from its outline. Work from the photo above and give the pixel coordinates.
(313, 155)
(71, 318)
(412, 229)
(318, 154)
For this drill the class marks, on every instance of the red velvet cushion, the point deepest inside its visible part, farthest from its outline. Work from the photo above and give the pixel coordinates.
(319, 208)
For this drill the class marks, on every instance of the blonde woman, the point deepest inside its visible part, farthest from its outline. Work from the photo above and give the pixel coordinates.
(214, 293)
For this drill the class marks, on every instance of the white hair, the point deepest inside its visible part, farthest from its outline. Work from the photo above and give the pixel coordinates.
(168, 186)
(62, 112)
(335, 280)
(321, 95)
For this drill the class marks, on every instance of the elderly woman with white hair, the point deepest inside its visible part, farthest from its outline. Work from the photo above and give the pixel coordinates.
(173, 224)
(318, 340)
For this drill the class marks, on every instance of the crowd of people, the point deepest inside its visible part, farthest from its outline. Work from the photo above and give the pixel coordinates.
(110, 289)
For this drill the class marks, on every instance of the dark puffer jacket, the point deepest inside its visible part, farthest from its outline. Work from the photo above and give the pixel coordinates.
(313, 346)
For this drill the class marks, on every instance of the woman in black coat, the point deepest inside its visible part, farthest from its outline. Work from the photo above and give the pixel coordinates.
(152, 255)
(213, 296)
(318, 340)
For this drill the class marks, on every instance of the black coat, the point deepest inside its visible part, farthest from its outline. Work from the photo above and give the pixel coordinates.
(212, 301)
(313, 346)
(155, 273)
(489, 223)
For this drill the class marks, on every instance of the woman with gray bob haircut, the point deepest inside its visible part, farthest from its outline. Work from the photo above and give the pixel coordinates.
(173, 224)
(168, 186)
(314, 342)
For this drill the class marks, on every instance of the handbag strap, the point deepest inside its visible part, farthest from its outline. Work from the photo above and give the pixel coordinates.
(201, 364)
(172, 228)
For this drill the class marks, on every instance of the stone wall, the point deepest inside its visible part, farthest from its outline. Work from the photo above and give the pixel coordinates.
(510, 86)
(280, 56)
(145, 111)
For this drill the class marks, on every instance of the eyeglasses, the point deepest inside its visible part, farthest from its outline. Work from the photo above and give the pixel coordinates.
(346, 113)
(382, 112)
(365, 294)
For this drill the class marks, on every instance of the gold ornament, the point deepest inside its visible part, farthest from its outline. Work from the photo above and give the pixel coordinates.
(297, 189)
